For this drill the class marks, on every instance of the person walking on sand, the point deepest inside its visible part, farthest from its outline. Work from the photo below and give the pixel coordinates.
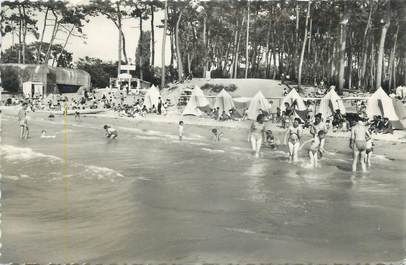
(257, 134)
(293, 136)
(22, 119)
(358, 143)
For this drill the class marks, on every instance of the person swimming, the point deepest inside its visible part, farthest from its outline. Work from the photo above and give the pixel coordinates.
(110, 132)
(358, 144)
(256, 134)
(217, 134)
(44, 135)
(292, 137)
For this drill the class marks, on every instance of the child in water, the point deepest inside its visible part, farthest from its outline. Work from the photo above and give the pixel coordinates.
(110, 132)
(217, 134)
(180, 130)
(315, 148)
(368, 150)
(44, 134)
(270, 140)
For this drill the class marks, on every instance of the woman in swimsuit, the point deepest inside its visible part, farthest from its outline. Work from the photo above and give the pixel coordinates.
(257, 134)
(293, 135)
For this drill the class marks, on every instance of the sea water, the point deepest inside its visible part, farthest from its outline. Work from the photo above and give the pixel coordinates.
(146, 196)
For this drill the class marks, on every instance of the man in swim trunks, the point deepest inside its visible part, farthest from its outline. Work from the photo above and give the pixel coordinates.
(358, 144)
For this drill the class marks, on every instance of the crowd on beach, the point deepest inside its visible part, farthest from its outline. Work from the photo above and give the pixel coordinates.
(260, 134)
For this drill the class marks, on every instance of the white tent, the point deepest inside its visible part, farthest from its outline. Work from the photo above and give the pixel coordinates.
(401, 92)
(291, 98)
(151, 98)
(258, 102)
(197, 100)
(330, 103)
(224, 102)
(381, 104)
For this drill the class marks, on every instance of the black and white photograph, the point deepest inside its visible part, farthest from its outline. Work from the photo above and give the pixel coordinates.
(207, 132)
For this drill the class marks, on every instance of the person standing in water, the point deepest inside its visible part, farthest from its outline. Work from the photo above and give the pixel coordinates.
(22, 119)
(293, 135)
(257, 134)
(358, 143)
(315, 148)
(180, 130)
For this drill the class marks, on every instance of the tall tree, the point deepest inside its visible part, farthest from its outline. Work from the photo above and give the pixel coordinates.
(247, 41)
(385, 26)
(304, 44)
(163, 50)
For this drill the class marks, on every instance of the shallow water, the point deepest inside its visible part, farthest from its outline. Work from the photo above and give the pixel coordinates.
(148, 197)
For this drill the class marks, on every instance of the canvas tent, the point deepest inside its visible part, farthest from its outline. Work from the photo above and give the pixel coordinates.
(381, 104)
(224, 101)
(330, 103)
(401, 92)
(151, 98)
(196, 102)
(292, 97)
(258, 102)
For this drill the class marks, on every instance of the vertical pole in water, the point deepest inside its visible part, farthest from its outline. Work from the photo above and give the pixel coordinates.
(66, 183)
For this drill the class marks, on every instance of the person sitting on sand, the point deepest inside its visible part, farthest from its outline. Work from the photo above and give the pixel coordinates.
(245, 115)
(77, 115)
(293, 135)
(180, 130)
(217, 134)
(315, 148)
(110, 132)
(358, 144)
(256, 134)
(368, 150)
(338, 120)
(224, 116)
(44, 134)
(387, 126)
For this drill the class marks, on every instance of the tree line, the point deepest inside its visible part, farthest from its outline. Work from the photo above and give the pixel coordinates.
(359, 44)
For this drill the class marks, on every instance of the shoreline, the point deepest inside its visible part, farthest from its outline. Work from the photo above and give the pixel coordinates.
(172, 117)
(398, 136)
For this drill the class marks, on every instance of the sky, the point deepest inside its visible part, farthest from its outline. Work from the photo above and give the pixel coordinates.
(102, 38)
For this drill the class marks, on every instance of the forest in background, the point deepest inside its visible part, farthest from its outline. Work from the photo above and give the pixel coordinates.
(359, 44)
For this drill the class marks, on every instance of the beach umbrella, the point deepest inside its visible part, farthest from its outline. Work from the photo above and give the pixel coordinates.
(330, 103)
(196, 103)
(224, 101)
(258, 102)
(293, 97)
